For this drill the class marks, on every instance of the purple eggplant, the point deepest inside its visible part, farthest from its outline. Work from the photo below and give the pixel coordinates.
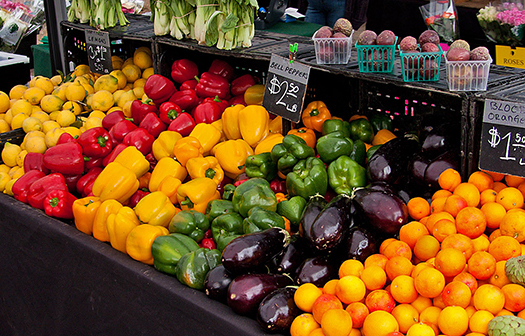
(277, 311)
(217, 282)
(416, 168)
(440, 139)
(383, 211)
(247, 291)
(449, 159)
(291, 257)
(358, 244)
(313, 208)
(317, 270)
(252, 252)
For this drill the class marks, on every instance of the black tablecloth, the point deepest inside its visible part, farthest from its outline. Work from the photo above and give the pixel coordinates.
(56, 280)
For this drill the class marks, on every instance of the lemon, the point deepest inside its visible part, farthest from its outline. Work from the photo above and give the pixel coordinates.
(60, 91)
(119, 75)
(36, 108)
(56, 80)
(5, 104)
(21, 106)
(34, 133)
(4, 179)
(102, 100)
(53, 115)
(65, 118)
(139, 83)
(113, 109)
(89, 100)
(49, 125)
(75, 92)
(132, 72)
(81, 80)
(106, 82)
(89, 88)
(93, 123)
(9, 154)
(81, 69)
(20, 158)
(116, 62)
(4, 168)
(4, 126)
(126, 62)
(18, 120)
(42, 116)
(148, 72)
(51, 103)
(52, 136)
(128, 87)
(117, 94)
(138, 91)
(14, 169)
(17, 91)
(142, 59)
(97, 114)
(34, 95)
(8, 116)
(45, 84)
(33, 81)
(73, 131)
(125, 97)
(73, 107)
(31, 124)
(142, 49)
(36, 145)
(9, 187)
(127, 109)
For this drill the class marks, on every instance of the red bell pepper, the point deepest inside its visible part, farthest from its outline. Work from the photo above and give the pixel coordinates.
(139, 110)
(152, 160)
(207, 112)
(183, 69)
(168, 111)
(159, 88)
(222, 68)
(137, 196)
(66, 158)
(278, 186)
(85, 183)
(90, 162)
(190, 84)
(59, 204)
(41, 187)
(35, 161)
(120, 129)
(211, 85)
(141, 139)
(20, 188)
(71, 182)
(95, 142)
(153, 124)
(112, 118)
(235, 100)
(111, 157)
(64, 138)
(208, 243)
(186, 99)
(223, 104)
(240, 84)
(183, 124)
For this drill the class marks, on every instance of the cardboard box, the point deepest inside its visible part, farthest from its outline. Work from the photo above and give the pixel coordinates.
(510, 57)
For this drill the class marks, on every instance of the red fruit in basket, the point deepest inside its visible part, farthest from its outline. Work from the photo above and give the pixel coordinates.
(326, 53)
(386, 37)
(338, 35)
(411, 60)
(428, 69)
(323, 32)
(376, 60)
(367, 37)
(408, 43)
(479, 54)
(429, 47)
(428, 36)
(458, 54)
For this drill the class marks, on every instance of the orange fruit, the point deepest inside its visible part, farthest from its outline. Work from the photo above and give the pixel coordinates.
(380, 299)
(494, 234)
(418, 208)
(453, 321)
(514, 297)
(443, 228)
(421, 303)
(430, 315)
(487, 196)
(376, 259)
(482, 265)
(419, 267)
(437, 204)
(504, 248)
(329, 287)
(406, 316)
(306, 295)
(350, 289)
(420, 329)
(426, 247)
(438, 302)
(317, 332)
(449, 179)
(410, 232)
(374, 277)
(351, 267)
(496, 177)
(324, 303)
(513, 224)
(450, 262)
(336, 322)
(398, 248)
(432, 219)
(397, 266)
(429, 282)
(385, 243)
(471, 222)
(498, 186)
(479, 321)
(453, 204)
(513, 181)
(499, 278)
(521, 188)
(481, 180)
(489, 297)
(505, 312)
(440, 193)
(456, 293)
(510, 198)
(481, 243)
(521, 314)
(358, 312)
(403, 289)
(379, 323)
(468, 279)
(494, 213)
(469, 192)
(459, 242)
(303, 325)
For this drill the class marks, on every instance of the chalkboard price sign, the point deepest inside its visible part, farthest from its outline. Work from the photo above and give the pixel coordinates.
(502, 147)
(99, 51)
(286, 88)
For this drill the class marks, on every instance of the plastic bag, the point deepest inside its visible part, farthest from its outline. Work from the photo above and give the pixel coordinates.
(442, 16)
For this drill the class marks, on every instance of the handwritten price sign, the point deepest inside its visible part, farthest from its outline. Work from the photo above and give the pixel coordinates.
(286, 88)
(503, 138)
(99, 51)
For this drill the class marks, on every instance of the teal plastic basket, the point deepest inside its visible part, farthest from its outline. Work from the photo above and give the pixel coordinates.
(420, 66)
(376, 58)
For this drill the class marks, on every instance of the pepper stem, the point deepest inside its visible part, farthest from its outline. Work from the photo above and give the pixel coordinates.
(210, 173)
(187, 202)
(314, 112)
(172, 114)
(102, 141)
(54, 202)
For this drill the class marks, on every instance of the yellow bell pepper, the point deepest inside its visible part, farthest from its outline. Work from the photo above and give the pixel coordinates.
(205, 167)
(115, 182)
(166, 167)
(100, 230)
(144, 180)
(84, 211)
(254, 94)
(267, 144)
(119, 226)
(232, 155)
(134, 160)
(155, 209)
(195, 194)
(230, 122)
(163, 145)
(187, 148)
(208, 136)
(276, 125)
(169, 186)
(140, 239)
(220, 127)
(254, 124)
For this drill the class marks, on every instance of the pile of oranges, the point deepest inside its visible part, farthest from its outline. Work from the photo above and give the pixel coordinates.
(443, 275)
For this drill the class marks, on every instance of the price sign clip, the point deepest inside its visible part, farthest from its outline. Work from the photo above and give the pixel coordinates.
(293, 52)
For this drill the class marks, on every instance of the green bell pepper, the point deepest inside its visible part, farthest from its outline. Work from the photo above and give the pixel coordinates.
(261, 165)
(358, 152)
(345, 174)
(225, 228)
(194, 266)
(292, 209)
(253, 192)
(190, 223)
(381, 121)
(260, 219)
(361, 129)
(218, 207)
(371, 151)
(333, 145)
(333, 125)
(309, 177)
(168, 250)
(227, 191)
(289, 152)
